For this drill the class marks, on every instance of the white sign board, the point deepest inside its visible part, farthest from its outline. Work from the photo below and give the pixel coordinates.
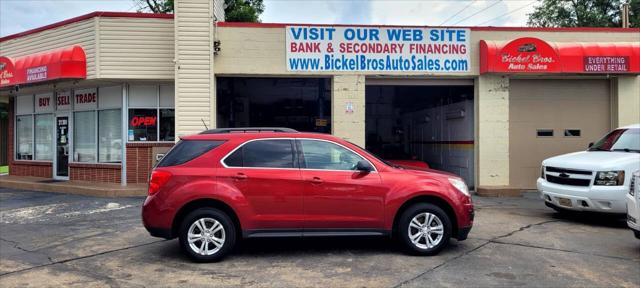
(378, 49)
(63, 100)
(44, 102)
(84, 99)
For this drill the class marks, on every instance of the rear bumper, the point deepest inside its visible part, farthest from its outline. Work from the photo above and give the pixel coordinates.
(157, 220)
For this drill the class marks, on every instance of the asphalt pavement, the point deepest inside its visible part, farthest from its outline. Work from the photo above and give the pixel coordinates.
(53, 240)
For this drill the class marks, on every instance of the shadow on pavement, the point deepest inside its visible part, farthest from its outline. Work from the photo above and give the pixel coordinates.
(592, 218)
(308, 246)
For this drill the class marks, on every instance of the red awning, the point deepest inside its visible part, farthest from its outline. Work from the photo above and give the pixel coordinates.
(533, 55)
(65, 63)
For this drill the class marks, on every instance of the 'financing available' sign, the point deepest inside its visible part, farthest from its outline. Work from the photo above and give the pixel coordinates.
(389, 49)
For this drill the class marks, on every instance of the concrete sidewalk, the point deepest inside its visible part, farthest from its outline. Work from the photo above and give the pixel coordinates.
(72, 187)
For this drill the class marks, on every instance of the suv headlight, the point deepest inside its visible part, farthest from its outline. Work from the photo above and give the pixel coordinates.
(609, 178)
(543, 172)
(460, 186)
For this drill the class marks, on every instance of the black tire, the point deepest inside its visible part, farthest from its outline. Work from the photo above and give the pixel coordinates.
(227, 227)
(403, 224)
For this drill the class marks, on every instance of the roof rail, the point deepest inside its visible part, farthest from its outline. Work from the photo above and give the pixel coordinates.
(249, 129)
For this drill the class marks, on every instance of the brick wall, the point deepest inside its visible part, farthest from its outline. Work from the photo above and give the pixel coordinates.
(31, 168)
(139, 161)
(95, 172)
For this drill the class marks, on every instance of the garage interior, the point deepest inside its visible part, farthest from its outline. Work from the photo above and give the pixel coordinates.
(303, 104)
(429, 123)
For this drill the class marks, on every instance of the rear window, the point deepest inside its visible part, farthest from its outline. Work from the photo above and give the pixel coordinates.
(186, 151)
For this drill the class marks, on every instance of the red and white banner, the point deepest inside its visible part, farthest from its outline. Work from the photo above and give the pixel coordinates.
(65, 63)
(533, 55)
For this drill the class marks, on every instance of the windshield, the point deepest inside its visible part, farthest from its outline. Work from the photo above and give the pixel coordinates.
(626, 140)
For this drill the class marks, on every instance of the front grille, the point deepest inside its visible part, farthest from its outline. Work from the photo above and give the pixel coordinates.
(568, 171)
(567, 181)
(632, 185)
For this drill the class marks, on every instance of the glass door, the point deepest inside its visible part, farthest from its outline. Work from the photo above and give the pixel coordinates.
(61, 167)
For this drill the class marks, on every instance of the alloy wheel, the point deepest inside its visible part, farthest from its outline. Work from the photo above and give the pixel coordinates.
(425, 230)
(206, 236)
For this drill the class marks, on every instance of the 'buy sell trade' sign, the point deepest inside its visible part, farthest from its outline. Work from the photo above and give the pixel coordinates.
(389, 49)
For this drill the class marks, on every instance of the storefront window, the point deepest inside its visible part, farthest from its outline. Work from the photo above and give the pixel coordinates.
(84, 135)
(96, 118)
(303, 104)
(143, 124)
(109, 136)
(24, 137)
(151, 113)
(167, 125)
(44, 137)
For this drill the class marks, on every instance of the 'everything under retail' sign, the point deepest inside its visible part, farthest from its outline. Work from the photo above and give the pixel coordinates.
(377, 49)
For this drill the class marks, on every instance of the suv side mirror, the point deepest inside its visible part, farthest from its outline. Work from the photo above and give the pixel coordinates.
(364, 166)
(591, 144)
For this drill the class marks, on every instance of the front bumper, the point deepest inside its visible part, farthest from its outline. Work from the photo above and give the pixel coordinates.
(462, 233)
(633, 213)
(608, 199)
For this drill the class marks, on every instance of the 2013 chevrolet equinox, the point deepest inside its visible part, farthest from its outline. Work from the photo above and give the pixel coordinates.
(223, 184)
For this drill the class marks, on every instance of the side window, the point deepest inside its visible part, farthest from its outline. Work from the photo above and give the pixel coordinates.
(328, 156)
(263, 153)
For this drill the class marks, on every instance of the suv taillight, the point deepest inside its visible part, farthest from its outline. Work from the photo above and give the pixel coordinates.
(158, 178)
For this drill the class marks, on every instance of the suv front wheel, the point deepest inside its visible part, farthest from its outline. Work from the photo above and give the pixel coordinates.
(207, 235)
(424, 229)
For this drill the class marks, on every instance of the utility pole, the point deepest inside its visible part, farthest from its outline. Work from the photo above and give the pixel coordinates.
(625, 15)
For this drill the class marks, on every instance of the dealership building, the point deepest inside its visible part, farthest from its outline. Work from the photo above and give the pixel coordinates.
(101, 96)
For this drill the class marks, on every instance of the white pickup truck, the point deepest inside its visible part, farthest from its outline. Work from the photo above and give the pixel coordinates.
(594, 180)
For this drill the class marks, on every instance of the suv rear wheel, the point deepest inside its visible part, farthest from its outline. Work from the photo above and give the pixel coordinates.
(424, 229)
(207, 235)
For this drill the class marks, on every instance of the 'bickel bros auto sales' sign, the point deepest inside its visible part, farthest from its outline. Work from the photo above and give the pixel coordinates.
(388, 49)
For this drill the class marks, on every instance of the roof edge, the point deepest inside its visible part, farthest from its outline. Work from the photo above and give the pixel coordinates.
(281, 25)
(473, 28)
(85, 17)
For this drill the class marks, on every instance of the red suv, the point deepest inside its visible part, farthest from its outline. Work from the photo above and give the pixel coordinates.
(223, 184)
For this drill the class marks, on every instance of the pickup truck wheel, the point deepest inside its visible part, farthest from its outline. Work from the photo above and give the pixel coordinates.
(424, 229)
(207, 235)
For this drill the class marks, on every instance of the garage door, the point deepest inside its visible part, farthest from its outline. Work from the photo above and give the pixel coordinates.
(553, 117)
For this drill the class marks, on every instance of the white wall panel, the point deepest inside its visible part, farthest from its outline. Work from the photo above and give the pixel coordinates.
(136, 48)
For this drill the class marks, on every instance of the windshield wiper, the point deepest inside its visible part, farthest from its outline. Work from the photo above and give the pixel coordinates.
(626, 150)
(598, 149)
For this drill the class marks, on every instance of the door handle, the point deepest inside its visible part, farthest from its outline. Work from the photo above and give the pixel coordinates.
(239, 176)
(316, 180)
